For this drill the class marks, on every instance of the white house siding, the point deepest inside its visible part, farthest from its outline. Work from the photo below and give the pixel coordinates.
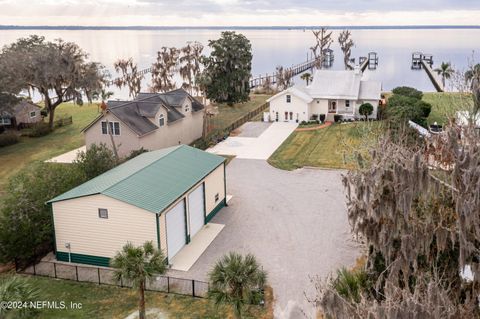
(126, 142)
(296, 106)
(77, 222)
(319, 106)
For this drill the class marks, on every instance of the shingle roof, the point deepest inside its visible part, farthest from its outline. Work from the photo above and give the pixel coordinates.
(152, 180)
(135, 113)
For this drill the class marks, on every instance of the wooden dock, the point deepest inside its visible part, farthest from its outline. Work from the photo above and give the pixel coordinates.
(296, 70)
(370, 61)
(437, 83)
(425, 61)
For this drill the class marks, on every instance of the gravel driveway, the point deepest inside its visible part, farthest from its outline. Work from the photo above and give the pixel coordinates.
(294, 222)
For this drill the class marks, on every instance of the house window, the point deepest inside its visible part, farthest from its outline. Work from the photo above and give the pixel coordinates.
(187, 108)
(347, 103)
(114, 128)
(5, 121)
(289, 98)
(291, 116)
(33, 114)
(276, 116)
(318, 101)
(217, 197)
(103, 213)
(161, 120)
(104, 128)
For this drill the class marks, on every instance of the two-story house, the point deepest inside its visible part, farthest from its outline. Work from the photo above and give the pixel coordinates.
(152, 121)
(330, 93)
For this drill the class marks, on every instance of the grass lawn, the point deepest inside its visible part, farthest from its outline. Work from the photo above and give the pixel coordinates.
(229, 114)
(63, 139)
(101, 301)
(330, 147)
(445, 105)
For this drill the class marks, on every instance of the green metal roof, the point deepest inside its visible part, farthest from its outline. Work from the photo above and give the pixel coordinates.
(152, 180)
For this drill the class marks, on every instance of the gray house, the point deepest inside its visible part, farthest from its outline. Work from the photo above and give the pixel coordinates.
(22, 114)
(152, 121)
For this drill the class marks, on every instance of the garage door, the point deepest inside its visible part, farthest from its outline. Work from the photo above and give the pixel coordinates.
(196, 209)
(176, 229)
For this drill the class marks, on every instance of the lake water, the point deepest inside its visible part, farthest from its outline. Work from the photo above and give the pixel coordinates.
(282, 47)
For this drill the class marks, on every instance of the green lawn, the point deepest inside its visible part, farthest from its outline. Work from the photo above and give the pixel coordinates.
(330, 147)
(13, 158)
(101, 301)
(445, 105)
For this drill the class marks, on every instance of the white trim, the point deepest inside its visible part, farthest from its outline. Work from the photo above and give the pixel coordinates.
(34, 114)
(111, 125)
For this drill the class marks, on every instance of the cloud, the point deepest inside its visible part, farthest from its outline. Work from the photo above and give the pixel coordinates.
(238, 12)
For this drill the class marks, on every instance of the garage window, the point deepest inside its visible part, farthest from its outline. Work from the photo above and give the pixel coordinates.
(217, 197)
(103, 213)
(289, 98)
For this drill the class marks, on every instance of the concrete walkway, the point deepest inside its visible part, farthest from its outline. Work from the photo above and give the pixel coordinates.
(261, 147)
(189, 254)
(68, 157)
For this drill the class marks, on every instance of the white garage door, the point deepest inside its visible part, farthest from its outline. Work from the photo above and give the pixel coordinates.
(176, 229)
(196, 209)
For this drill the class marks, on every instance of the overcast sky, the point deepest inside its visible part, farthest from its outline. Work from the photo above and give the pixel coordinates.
(239, 12)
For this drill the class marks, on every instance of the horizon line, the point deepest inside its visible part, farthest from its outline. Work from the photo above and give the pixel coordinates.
(233, 27)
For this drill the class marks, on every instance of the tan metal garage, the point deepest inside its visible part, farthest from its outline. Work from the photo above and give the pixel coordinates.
(164, 196)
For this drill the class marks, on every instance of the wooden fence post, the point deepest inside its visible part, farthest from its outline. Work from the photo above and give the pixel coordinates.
(76, 272)
(55, 269)
(168, 284)
(98, 272)
(193, 287)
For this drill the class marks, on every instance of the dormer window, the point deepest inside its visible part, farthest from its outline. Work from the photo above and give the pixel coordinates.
(161, 120)
(289, 98)
(187, 108)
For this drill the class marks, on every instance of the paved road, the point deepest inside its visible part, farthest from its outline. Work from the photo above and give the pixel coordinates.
(294, 222)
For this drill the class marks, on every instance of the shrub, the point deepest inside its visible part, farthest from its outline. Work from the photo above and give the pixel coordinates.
(303, 123)
(408, 91)
(403, 108)
(365, 109)
(25, 220)
(62, 122)
(8, 139)
(96, 160)
(337, 118)
(322, 118)
(39, 129)
(351, 284)
(135, 153)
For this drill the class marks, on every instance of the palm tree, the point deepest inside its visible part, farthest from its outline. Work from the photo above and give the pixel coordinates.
(14, 289)
(306, 76)
(137, 265)
(237, 280)
(103, 96)
(445, 71)
(472, 76)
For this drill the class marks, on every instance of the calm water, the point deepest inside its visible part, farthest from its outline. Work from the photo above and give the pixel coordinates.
(282, 47)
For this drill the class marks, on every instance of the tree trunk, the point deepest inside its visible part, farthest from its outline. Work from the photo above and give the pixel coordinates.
(141, 301)
(51, 117)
